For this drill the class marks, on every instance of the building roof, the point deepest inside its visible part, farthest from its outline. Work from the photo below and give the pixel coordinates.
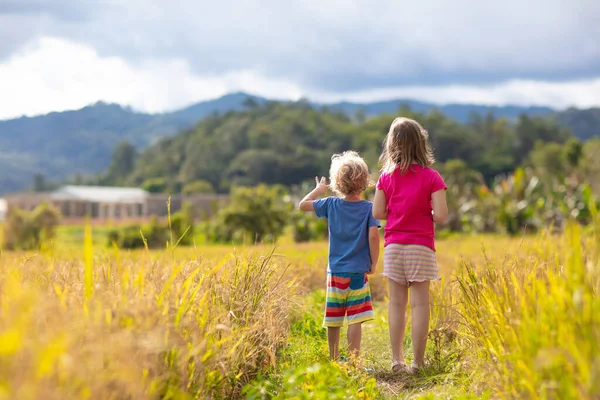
(101, 194)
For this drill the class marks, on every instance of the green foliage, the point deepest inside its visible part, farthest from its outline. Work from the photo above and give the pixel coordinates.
(585, 124)
(39, 183)
(88, 137)
(274, 143)
(318, 381)
(155, 234)
(277, 143)
(259, 213)
(308, 228)
(198, 187)
(25, 230)
(303, 370)
(155, 185)
(548, 159)
(122, 164)
(182, 224)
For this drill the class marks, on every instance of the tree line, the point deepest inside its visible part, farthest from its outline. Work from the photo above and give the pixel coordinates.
(288, 143)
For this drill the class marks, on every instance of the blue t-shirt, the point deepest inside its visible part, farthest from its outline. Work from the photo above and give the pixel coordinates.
(349, 223)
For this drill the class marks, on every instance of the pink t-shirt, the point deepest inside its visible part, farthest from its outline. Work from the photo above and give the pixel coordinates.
(409, 205)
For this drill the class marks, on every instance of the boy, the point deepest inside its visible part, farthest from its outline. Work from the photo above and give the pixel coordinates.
(353, 247)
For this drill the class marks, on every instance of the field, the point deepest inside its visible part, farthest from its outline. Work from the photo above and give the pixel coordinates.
(513, 317)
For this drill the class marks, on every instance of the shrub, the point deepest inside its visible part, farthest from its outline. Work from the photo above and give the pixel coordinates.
(156, 234)
(307, 227)
(25, 230)
(155, 185)
(260, 213)
(200, 186)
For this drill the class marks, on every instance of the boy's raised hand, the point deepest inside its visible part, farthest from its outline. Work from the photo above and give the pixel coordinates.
(322, 186)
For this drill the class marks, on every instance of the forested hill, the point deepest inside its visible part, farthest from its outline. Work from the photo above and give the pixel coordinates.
(282, 143)
(66, 144)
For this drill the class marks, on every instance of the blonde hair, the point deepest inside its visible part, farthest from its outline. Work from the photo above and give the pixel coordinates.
(349, 174)
(406, 143)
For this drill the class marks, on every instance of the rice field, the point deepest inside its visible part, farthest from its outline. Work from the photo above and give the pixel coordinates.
(513, 317)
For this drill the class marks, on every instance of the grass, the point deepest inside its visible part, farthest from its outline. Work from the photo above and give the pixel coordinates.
(512, 318)
(519, 319)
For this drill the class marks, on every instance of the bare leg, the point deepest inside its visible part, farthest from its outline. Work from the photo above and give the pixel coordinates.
(333, 338)
(419, 303)
(397, 318)
(354, 337)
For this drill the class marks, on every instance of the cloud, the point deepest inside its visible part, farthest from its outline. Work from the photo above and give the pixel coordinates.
(340, 46)
(559, 95)
(53, 74)
(60, 9)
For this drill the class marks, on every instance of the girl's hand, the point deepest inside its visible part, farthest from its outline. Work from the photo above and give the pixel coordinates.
(322, 186)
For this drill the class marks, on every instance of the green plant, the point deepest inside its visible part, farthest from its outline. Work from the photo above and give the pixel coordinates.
(307, 227)
(259, 213)
(199, 186)
(25, 230)
(317, 381)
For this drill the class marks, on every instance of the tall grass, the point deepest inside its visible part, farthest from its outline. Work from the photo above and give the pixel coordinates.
(137, 325)
(534, 321)
(520, 319)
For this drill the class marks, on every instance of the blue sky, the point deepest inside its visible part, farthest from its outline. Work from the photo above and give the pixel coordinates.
(157, 55)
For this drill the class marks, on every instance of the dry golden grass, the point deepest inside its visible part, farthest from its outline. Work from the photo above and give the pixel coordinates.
(137, 325)
(90, 322)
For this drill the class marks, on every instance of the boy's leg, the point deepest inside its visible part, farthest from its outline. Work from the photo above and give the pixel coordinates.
(397, 318)
(335, 311)
(419, 303)
(359, 310)
(333, 338)
(354, 337)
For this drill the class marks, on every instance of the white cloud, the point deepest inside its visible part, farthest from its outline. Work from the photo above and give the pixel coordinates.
(52, 74)
(558, 95)
(332, 45)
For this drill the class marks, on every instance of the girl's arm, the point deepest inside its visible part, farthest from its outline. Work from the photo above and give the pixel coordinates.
(306, 204)
(380, 210)
(374, 248)
(440, 208)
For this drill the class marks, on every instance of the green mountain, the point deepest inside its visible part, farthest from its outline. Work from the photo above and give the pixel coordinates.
(288, 143)
(583, 123)
(60, 145)
(64, 144)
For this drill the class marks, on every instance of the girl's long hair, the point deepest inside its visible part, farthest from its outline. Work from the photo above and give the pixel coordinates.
(406, 144)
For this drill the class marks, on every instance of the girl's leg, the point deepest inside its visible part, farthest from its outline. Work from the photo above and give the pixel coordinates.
(397, 318)
(419, 303)
(333, 338)
(354, 337)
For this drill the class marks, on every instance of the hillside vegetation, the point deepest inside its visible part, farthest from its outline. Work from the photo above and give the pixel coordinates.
(283, 143)
(63, 145)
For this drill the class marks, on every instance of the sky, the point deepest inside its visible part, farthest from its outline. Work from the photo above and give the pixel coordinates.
(156, 55)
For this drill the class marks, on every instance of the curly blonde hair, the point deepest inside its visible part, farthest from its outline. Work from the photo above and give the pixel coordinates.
(349, 174)
(407, 142)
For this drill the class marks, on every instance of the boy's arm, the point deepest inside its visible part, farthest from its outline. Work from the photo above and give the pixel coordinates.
(374, 248)
(306, 204)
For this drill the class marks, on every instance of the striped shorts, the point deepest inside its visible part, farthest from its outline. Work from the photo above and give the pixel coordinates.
(406, 263)
(348, 295)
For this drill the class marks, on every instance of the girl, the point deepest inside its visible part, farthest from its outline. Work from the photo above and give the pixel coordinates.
(411, 197)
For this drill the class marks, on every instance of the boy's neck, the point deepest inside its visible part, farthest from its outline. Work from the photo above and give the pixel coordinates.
(352, 197)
